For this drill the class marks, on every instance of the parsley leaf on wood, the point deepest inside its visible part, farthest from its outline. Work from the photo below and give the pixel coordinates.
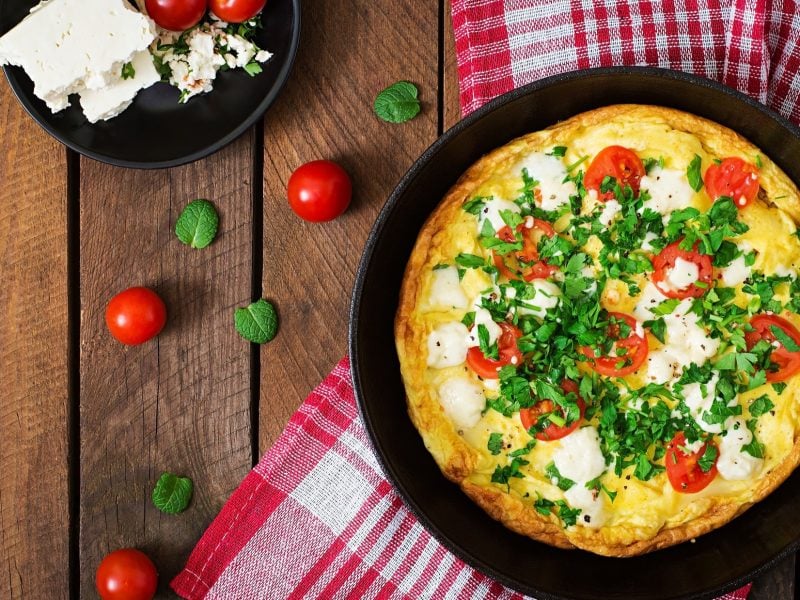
(398, 103)
(257, 322)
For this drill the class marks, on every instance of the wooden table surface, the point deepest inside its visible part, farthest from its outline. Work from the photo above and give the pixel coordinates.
(87, 425)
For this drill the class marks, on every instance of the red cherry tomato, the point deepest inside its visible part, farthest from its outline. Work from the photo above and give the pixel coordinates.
(319, 191)
(666, 260)
(236, 11)
(627, 354)
(734, 178)
(176, 15)
(508, 351)
(788, 362)
(683, 470)
(528, 266)
(530, 416)
(136, 315)
(126, 575)
(618, 162)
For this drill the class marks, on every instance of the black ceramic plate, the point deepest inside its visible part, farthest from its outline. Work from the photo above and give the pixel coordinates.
(717, 562)
(156, 131)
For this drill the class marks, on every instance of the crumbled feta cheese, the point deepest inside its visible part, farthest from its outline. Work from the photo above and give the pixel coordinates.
(447, 345)
(483, 317)
(735, 273)
(580, 459)
(107, 103)
(733, 464)
(462, 401)
(491, 212)
(593, 510)
(611, 209)
(446, 292)
(699, 403)
(68, 46)
(669, 191)
(784, 271)
(647, 242)
(550, 173)
(683, 274)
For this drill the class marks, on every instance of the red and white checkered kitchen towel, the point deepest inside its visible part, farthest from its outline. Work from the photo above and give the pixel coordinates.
(316, 518)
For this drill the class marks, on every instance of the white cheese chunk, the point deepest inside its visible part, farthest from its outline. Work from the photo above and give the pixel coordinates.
(686, 341)
(446, 292)
(462, 401)
(483, 317)
(683, 274)
(593, 510)
(611, 209)
(550, 173)
(698, 398)
(734, 464)
(784, 271)
(447, 345)
(491, 212)
(107, 103)
(68, 46)
(546, 296)
(647, 242)
(578, 456)
(735, 273)
(669, 191)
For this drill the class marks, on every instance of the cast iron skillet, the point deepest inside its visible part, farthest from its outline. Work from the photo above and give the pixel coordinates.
(156, 131)
(717, 562)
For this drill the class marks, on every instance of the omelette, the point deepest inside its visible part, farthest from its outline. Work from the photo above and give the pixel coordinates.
(598, 330)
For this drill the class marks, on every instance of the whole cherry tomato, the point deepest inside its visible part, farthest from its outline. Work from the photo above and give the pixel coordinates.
(618, 162)
(136, 315)
(319, 191)
(176, 15)
(126, 575)
(236, 11)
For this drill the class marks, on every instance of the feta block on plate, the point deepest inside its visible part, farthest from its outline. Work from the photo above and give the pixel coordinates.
(68, 46)
(101, 105)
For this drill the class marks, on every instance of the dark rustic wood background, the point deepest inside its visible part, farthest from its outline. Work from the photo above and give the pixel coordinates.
(88, 425)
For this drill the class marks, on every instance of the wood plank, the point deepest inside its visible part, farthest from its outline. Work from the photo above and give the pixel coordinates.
(352, 50)
(179, 403)
(34, 509)
(450, 99)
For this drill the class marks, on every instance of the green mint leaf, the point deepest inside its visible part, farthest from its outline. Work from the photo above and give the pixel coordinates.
(128, 72)
(559, 151)
(253, 68)
(495, 443)
(172, 493)
(784, 338)
(197, 224)
(693, 174)
(398, 103)
(258, 322)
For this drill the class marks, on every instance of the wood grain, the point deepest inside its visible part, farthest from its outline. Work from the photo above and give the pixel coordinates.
(351, 50)
(181, 402)
(33, 358)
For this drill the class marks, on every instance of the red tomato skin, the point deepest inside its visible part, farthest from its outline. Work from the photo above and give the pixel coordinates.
(616, 161)
(530, 416)
(607, 365)
(683, 472)
(537, 269)
(136, 315)
(788, 362)
(176, 15)
(666, 260)
(126, 574)
(733, 177)
(236, 11)
(319, 191)
(509, 354)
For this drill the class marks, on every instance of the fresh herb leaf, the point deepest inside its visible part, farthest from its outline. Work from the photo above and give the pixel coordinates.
(469, 319)
(651, 163)
(658, 328)
(474, 206)
(398, 103)
(568, 516)
(666, 307)
(495, 443)
(761, 405)
(784, 338)
(470, 261)
(253, 68)
(197, 224)
(172, 493)
(562, 482)
(503, 474)
(754, 448)
(128, 72)
(709, 458)
(693, 174)
(779, 387)
(559, 151)
(257, 322)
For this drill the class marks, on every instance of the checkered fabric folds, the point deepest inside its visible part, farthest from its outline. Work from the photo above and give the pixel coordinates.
(316, 518)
